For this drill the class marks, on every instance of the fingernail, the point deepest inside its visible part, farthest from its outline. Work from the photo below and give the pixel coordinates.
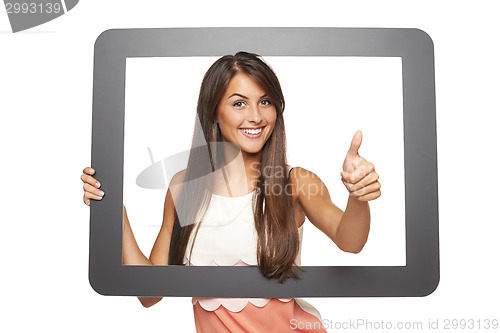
(99, 198)
(101, 193)
(92, 170)
(98, 184)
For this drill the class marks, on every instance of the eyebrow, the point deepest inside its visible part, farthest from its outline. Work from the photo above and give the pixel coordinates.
(242, 96)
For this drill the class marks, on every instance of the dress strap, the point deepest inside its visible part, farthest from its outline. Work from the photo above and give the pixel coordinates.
(289, 169)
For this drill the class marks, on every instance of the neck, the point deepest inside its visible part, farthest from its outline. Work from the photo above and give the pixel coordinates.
(241, 173)
(252, 164)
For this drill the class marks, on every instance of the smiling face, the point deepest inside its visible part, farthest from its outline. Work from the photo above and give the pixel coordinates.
(246, 114)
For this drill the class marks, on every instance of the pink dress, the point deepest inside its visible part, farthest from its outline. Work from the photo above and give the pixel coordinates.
(228, 237)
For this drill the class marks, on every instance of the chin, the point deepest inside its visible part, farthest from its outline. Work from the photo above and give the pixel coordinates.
(254, 150)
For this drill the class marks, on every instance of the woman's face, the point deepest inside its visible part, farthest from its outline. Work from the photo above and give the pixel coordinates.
(245, 114)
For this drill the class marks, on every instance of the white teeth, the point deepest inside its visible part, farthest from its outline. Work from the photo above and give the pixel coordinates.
(252, 131)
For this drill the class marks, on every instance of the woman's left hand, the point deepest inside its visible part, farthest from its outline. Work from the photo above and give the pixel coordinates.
(358, 175)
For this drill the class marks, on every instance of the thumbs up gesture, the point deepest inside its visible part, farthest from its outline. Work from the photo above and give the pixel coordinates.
(358, 175)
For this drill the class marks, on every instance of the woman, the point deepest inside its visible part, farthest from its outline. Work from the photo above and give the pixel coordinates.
(241, 204)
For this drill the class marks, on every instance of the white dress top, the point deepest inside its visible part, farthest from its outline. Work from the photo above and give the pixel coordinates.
(227, 237)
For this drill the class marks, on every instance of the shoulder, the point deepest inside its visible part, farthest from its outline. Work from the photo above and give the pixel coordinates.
(176, 184)
(178, 178)
(301, 175)
(305, 182)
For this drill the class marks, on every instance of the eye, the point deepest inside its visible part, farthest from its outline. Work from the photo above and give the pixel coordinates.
(239, 104)
(265, 102)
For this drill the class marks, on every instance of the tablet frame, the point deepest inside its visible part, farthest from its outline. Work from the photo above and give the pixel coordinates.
(419, 277)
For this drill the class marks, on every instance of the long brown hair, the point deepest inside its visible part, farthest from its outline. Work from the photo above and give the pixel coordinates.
(278, 238)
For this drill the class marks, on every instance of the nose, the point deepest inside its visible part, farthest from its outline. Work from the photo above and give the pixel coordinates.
(254, 114)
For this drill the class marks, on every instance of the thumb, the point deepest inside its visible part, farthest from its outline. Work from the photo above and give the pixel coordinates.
(355, 144)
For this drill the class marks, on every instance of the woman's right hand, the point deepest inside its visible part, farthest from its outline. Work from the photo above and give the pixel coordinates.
(90, 186)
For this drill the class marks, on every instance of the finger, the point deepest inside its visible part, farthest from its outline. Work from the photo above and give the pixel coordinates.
(366, 190)
(88, 171)
(359, 185)
(371, 196)
(91, 189)
(90, 180)
(355, 144)
(371, 178)
(350, 187)
(359, 173)
(87, 196)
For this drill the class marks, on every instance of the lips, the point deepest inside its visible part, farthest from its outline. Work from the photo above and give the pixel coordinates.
(252, 133)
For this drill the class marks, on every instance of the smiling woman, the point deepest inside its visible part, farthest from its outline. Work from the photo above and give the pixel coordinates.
(249, 210)
(223, 113)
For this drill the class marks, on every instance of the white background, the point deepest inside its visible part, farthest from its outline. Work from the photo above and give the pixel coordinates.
(45, 103)
(327, 100)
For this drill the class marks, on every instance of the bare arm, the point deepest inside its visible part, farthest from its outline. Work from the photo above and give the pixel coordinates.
(348, 230)
(160, 251)
(131, 253)
(354, 226)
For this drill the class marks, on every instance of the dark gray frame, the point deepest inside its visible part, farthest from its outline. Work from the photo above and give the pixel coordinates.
(419, 277)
